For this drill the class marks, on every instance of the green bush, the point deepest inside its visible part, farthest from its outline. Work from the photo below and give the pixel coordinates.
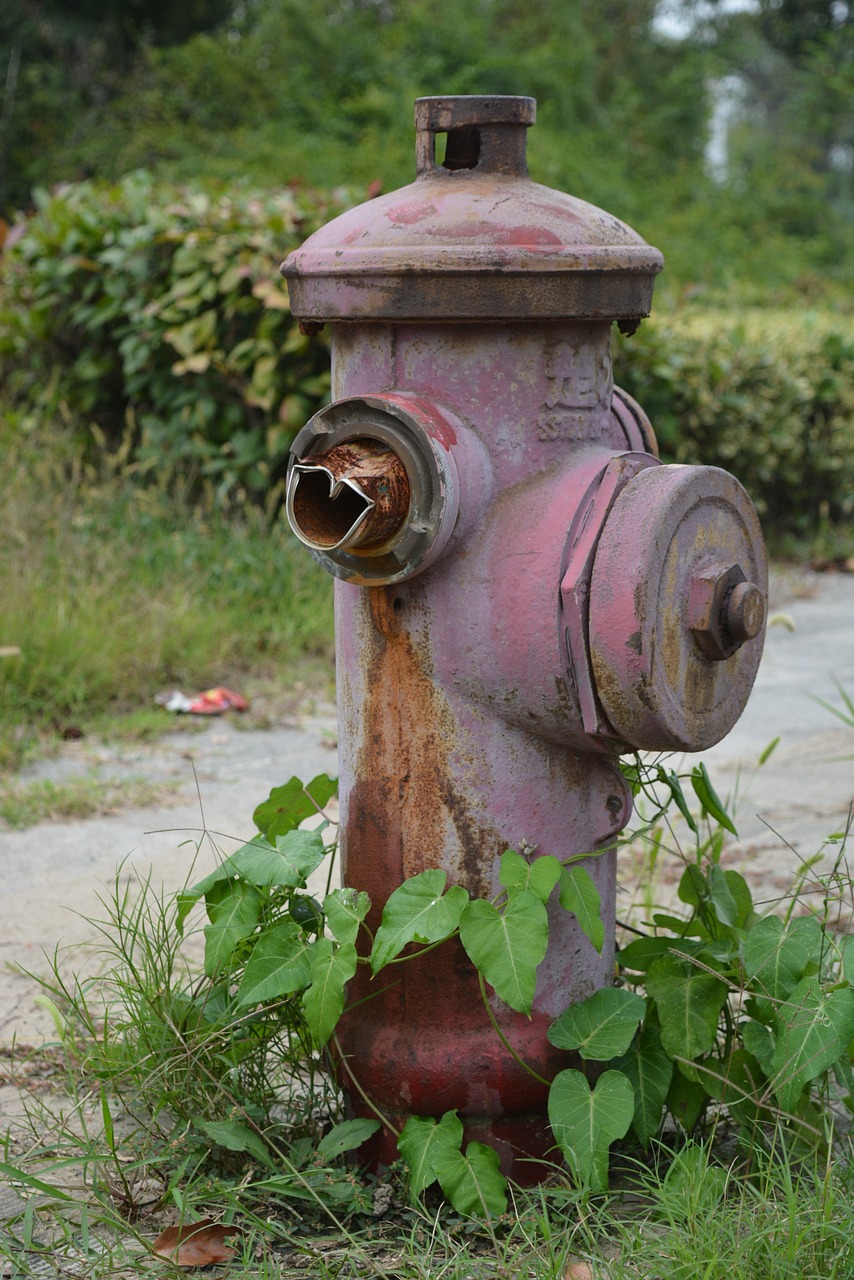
(158, 311)
(769, 395)
(155, 314)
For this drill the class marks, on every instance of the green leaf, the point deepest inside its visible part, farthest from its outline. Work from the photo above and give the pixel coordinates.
(742, 897)
(185, 900)
(346, 1136)
(775, 957)
(507, 946)
(686, 1099)
(234, 909)
(848, 959)
(331, 969)
(721, 897)
(692, 887)
(706, 794)
(15, 1174)
(639, 955)
(280, 964)
(815, 1029)
(579, 895)
(417, 911)
(473, 1182)
(769, 750)
(288, 862)
(422, 1142)
(674, 785)
(710, 890)
(759, 1042)
(649, 1070)
(693, 1184)
(235, 1137)
(345, 909)
(538, 876)
(585, 1122)
(289, 805)
(739, 1084)
(600, 1027)
(689, 1001)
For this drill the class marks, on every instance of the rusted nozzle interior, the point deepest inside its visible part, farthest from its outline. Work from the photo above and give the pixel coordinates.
(354, 497)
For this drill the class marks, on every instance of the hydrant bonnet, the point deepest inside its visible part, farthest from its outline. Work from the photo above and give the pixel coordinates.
(473, 238)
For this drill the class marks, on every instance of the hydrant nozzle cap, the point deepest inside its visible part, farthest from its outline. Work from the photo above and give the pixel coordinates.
(473, 238)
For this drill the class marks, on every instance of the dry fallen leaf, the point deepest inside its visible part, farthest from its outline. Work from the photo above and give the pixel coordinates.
(577, 1270)
(195, 1244)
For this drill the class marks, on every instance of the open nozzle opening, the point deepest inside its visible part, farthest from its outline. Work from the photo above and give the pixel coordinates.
(354, 497)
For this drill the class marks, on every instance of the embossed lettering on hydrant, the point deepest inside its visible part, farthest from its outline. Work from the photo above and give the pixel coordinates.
(579, 381)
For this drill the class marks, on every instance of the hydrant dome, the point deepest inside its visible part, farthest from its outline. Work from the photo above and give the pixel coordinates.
(473, 238)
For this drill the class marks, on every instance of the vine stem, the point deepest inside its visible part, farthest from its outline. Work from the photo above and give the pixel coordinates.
(381, 1116)
(501, 1036)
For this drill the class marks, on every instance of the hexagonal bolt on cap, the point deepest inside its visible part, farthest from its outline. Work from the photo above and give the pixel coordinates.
(724, 611)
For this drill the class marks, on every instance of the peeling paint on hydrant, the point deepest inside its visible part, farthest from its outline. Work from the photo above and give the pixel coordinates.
(524, 592)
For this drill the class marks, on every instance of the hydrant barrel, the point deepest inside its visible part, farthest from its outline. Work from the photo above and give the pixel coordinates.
(523, 591)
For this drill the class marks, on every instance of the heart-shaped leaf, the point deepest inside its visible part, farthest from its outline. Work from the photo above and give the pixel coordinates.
(422, 1143)
(473, 1182)
(689, 1001)
(775, 957)
(579, 895)
(585, 1122)
(345, 910)
(280, 964)
(332, 967)
(289, 805)
(507, 946)
(234, 909)
(419, 910)
(539, 876)
(600, 1027)
(815, 1028)
(288, 861)
(649, 1070)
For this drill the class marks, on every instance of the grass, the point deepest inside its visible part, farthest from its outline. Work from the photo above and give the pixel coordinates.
(113, 591)
(136, 1137)
(27, 803)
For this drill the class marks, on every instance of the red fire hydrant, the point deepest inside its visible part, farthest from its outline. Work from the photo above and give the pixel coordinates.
(523, 591)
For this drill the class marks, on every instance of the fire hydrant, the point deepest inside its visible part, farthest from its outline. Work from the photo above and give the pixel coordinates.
(524, 592)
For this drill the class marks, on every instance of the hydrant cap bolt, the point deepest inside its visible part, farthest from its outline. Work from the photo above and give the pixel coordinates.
(745, 612)
(724, 610)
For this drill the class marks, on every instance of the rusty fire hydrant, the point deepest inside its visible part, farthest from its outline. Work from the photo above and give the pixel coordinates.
(523, 591)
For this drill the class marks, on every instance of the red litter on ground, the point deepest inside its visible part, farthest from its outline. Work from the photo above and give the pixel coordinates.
(212, 702)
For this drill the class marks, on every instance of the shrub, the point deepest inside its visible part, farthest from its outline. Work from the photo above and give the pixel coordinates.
(158, 311)
(768, 395)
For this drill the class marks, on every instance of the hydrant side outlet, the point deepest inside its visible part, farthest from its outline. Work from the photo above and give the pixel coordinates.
(523, 591)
